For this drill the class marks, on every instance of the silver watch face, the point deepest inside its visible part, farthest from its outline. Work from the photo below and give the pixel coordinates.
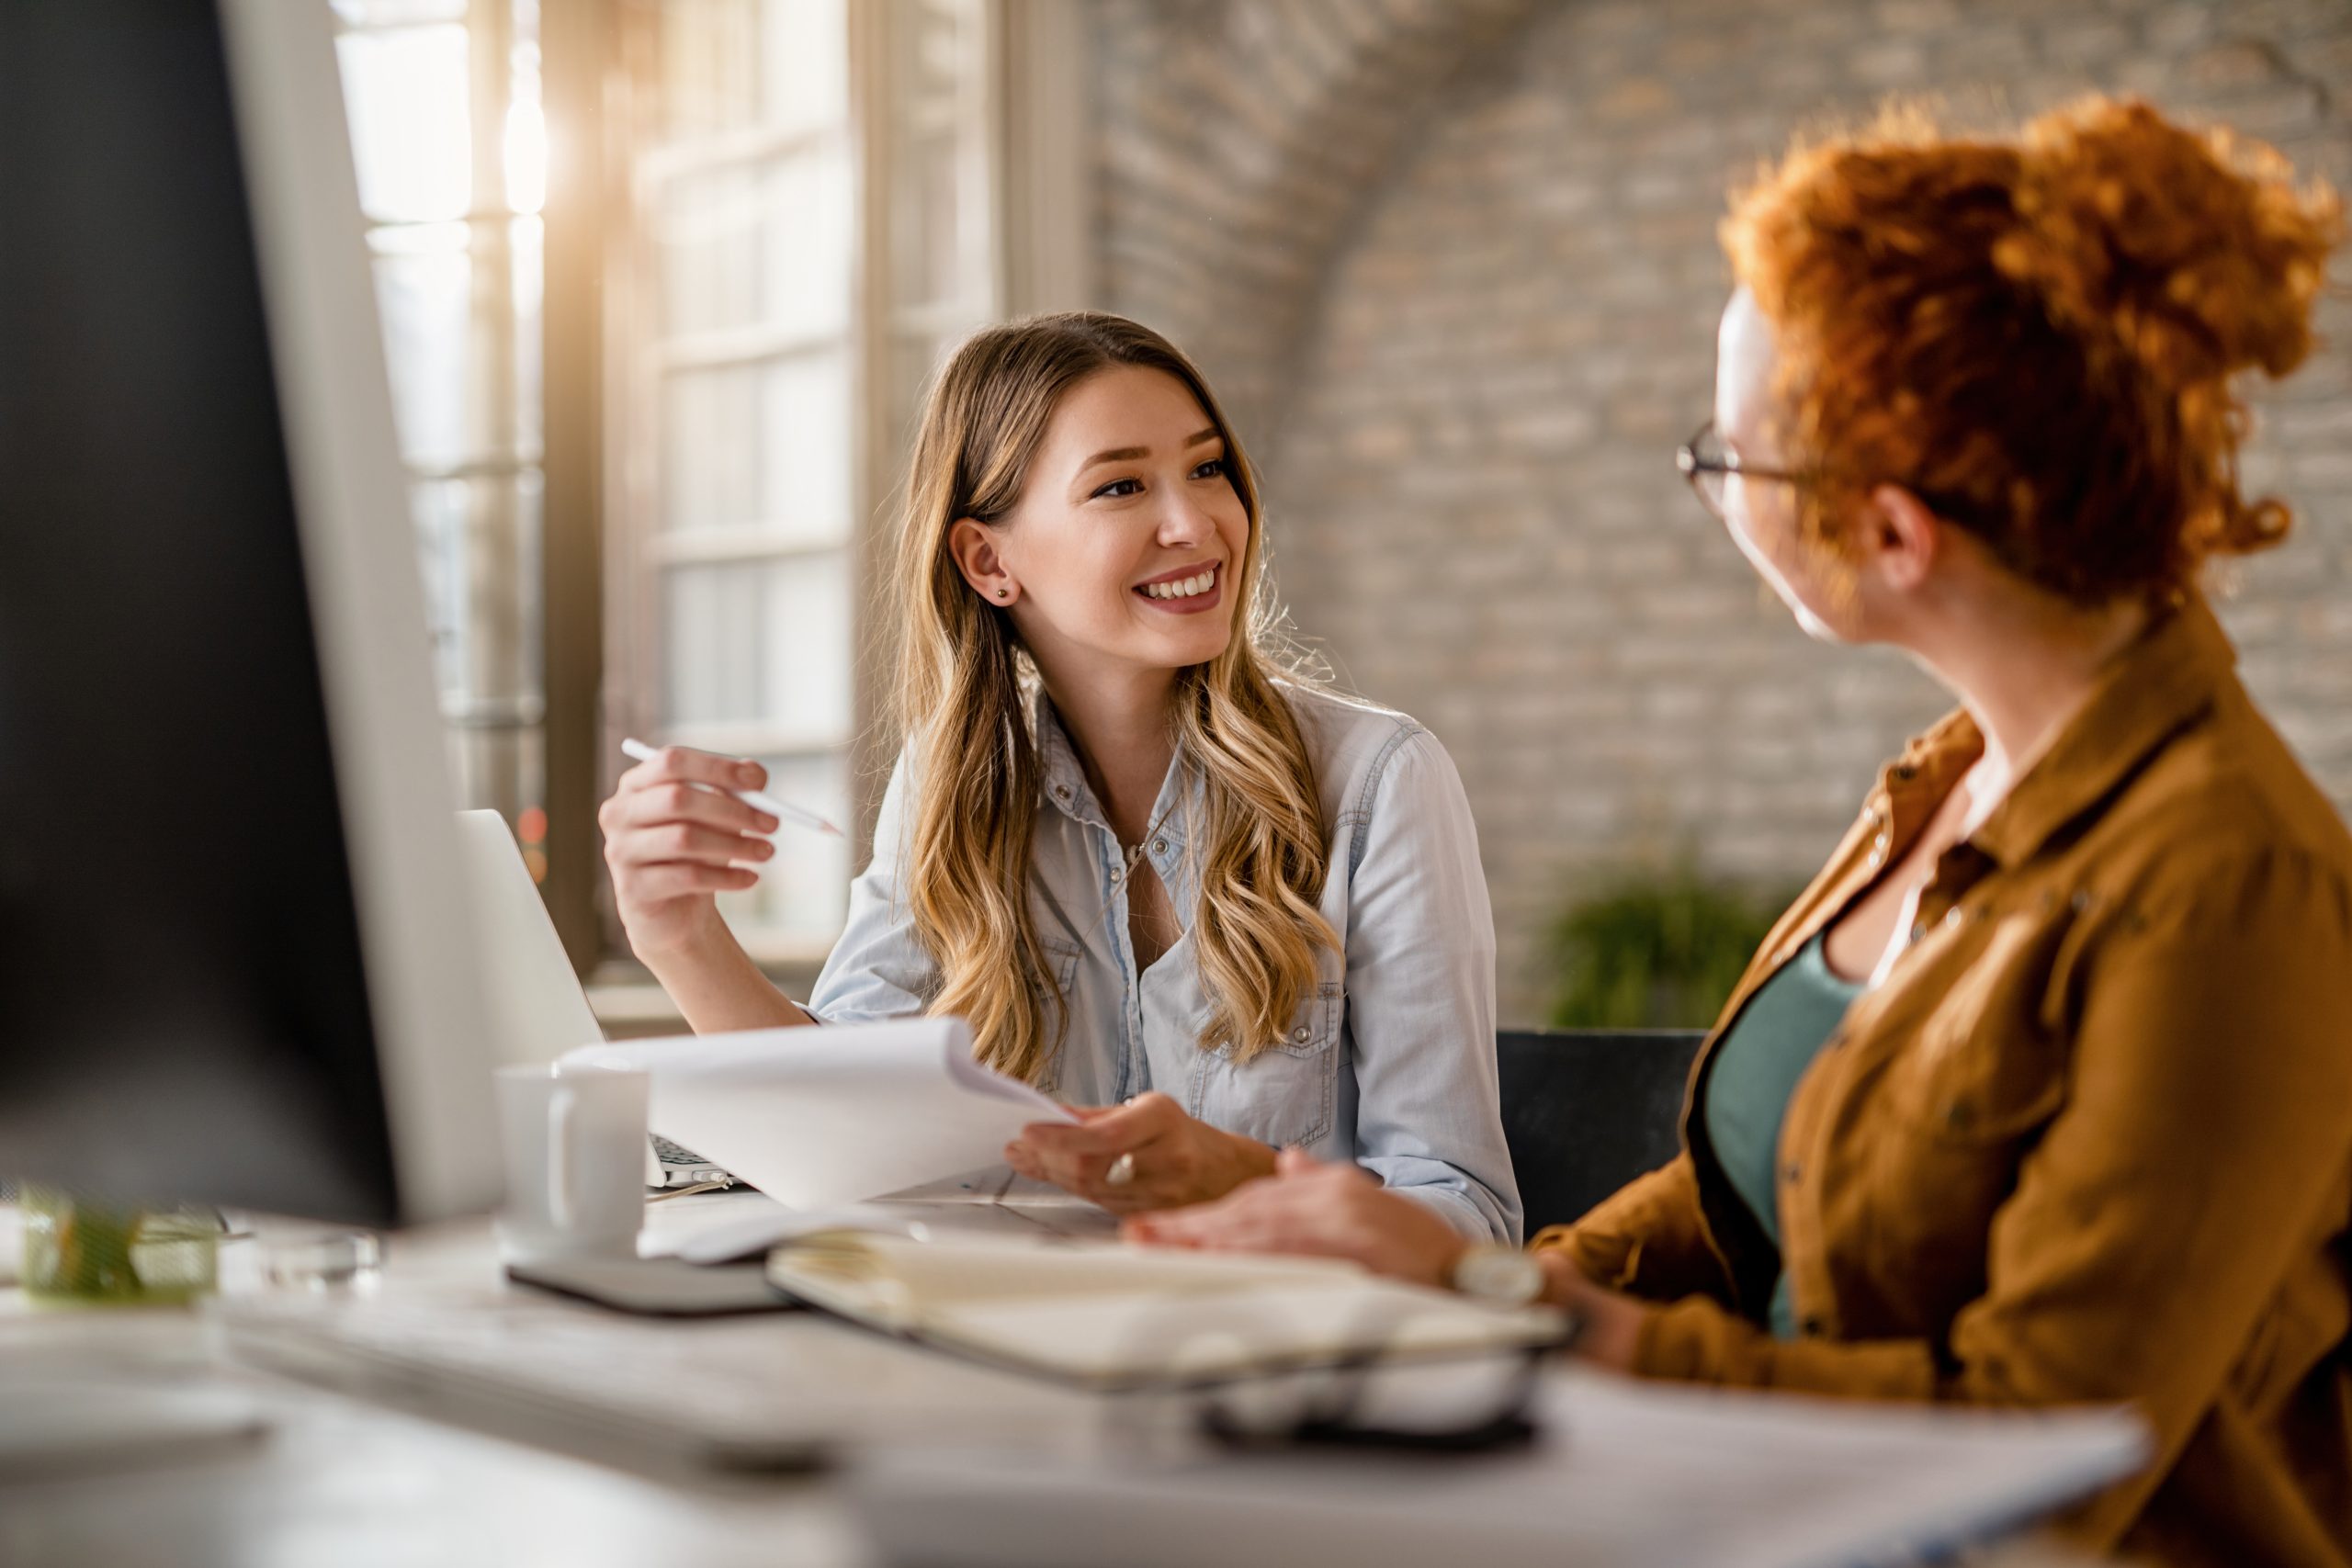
(1500, 1274)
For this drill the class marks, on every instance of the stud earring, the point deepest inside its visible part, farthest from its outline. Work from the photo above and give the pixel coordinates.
(1004, 592)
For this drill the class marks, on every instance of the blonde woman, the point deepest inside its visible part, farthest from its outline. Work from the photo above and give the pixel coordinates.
(1219, 911)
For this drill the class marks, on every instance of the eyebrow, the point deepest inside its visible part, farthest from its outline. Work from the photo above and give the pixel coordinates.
(1129, 454)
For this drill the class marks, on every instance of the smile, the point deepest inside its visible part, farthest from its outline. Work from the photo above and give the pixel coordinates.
(1201, 590)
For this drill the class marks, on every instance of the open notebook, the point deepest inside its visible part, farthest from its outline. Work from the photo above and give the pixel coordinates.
(1109, 1316)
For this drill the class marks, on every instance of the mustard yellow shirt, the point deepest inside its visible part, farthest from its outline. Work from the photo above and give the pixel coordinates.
(2091, 1141)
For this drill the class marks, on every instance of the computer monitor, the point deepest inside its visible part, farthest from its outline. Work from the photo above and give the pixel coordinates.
(235, 963)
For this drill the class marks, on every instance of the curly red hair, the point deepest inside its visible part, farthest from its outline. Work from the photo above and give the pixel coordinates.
(2039, 338)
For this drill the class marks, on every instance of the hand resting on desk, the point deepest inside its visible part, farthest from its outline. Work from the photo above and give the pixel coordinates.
(1340, 1210)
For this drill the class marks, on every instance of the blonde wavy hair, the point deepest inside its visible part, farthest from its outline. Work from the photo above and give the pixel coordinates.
(961, 713)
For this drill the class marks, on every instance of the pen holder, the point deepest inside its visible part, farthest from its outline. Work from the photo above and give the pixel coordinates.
(83, 1252)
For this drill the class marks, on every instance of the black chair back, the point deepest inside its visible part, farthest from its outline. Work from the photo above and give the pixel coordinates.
(1585, 1110)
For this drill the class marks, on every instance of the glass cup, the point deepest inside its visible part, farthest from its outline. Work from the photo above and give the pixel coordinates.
(82, 1251)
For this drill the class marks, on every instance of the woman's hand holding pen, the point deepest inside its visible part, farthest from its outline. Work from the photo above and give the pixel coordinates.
(1146, 1154)
(674, 838)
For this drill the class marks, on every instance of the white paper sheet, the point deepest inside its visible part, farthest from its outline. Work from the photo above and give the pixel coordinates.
(815, 1117)
(1631, 1476)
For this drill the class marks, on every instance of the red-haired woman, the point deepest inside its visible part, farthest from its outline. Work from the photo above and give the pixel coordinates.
(2042, 1092)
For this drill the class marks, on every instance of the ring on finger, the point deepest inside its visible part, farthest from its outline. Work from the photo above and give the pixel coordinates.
(1121, 1171)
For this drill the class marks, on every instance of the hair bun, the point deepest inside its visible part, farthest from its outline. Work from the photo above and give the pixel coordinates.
(2195, 253)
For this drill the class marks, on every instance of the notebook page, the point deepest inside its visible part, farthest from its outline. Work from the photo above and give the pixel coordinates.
(820, 1116)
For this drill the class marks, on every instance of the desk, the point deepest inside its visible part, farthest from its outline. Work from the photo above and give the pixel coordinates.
(341, 1484)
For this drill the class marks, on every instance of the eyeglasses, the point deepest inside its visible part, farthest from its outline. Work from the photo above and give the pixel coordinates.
(1708, 464)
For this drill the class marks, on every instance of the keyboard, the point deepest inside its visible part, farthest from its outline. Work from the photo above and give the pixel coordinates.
(682, 1168)
(669, 1152)
(777, 1392)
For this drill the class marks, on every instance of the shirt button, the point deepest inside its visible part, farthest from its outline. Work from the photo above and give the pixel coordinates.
(1299, 1035)
(1918, 929)
(1160, 846)
(1953, 915)
(1115, 874)
(1061, 792)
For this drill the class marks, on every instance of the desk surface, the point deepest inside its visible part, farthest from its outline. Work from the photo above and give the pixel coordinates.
(352, 1484)
(338, 1482)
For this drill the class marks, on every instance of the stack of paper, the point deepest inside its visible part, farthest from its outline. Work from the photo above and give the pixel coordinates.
(814, 1117)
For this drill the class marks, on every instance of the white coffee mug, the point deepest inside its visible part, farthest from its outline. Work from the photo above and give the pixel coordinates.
(575, 1161)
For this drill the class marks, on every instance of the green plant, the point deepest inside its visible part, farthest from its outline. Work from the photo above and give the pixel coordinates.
(1655, 950)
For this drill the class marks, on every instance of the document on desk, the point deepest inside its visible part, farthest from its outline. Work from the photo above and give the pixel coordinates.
(815, 1117)
(1629, 1475)
(1108, 1315)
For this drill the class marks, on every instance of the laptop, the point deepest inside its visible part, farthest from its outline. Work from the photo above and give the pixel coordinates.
(535, 1000)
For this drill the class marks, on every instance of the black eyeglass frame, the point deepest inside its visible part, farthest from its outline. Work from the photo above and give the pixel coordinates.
(1694, 468)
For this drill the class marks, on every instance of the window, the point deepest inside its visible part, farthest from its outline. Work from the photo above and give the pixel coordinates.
(443, 97)
(808, 229)
(772, 218)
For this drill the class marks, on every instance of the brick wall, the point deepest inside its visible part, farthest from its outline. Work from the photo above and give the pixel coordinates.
(1454, 267)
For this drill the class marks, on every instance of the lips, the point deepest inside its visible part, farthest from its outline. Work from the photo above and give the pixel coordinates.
(1185, 591)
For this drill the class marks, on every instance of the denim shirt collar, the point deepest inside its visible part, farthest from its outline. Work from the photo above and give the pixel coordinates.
(1064, 787)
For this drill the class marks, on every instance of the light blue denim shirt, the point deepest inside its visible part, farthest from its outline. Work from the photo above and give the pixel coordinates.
(1390, 1063)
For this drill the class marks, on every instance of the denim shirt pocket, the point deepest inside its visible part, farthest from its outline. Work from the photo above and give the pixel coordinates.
(1287, 1093)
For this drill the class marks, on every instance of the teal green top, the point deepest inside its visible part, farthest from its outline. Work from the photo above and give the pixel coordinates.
(1766, 1050)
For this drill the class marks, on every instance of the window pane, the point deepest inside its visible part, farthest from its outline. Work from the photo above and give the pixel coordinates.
(730, 65)
(760, 445)
(927, 234)
(503, 771)
(444, 307)
(710, 465)
(529, 265)
(480, 540)
(424, 292)
(764, 246)
(396, 13)
(803, 891)
(709, 65)
(805, 448)
(805, 64)
(406, 92)
(762, 644)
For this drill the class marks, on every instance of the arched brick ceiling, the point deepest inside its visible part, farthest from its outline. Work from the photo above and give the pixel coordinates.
(1244, 139)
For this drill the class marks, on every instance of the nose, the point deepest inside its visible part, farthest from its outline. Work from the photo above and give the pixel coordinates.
(1183, 522)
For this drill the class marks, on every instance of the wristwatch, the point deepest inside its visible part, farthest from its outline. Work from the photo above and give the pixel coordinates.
(1504, 1275)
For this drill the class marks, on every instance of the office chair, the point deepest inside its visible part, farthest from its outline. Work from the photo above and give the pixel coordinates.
(1586, 1111)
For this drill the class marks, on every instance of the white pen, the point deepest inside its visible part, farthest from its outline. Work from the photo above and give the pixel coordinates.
(781, 810)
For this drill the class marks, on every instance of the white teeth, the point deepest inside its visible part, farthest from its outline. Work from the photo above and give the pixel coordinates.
(1183, 587)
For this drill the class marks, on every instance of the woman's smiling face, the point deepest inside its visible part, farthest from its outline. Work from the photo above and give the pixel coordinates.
(1129, 534)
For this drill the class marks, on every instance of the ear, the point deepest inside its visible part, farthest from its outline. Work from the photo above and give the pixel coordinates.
(1901, 540)
(974, 545)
